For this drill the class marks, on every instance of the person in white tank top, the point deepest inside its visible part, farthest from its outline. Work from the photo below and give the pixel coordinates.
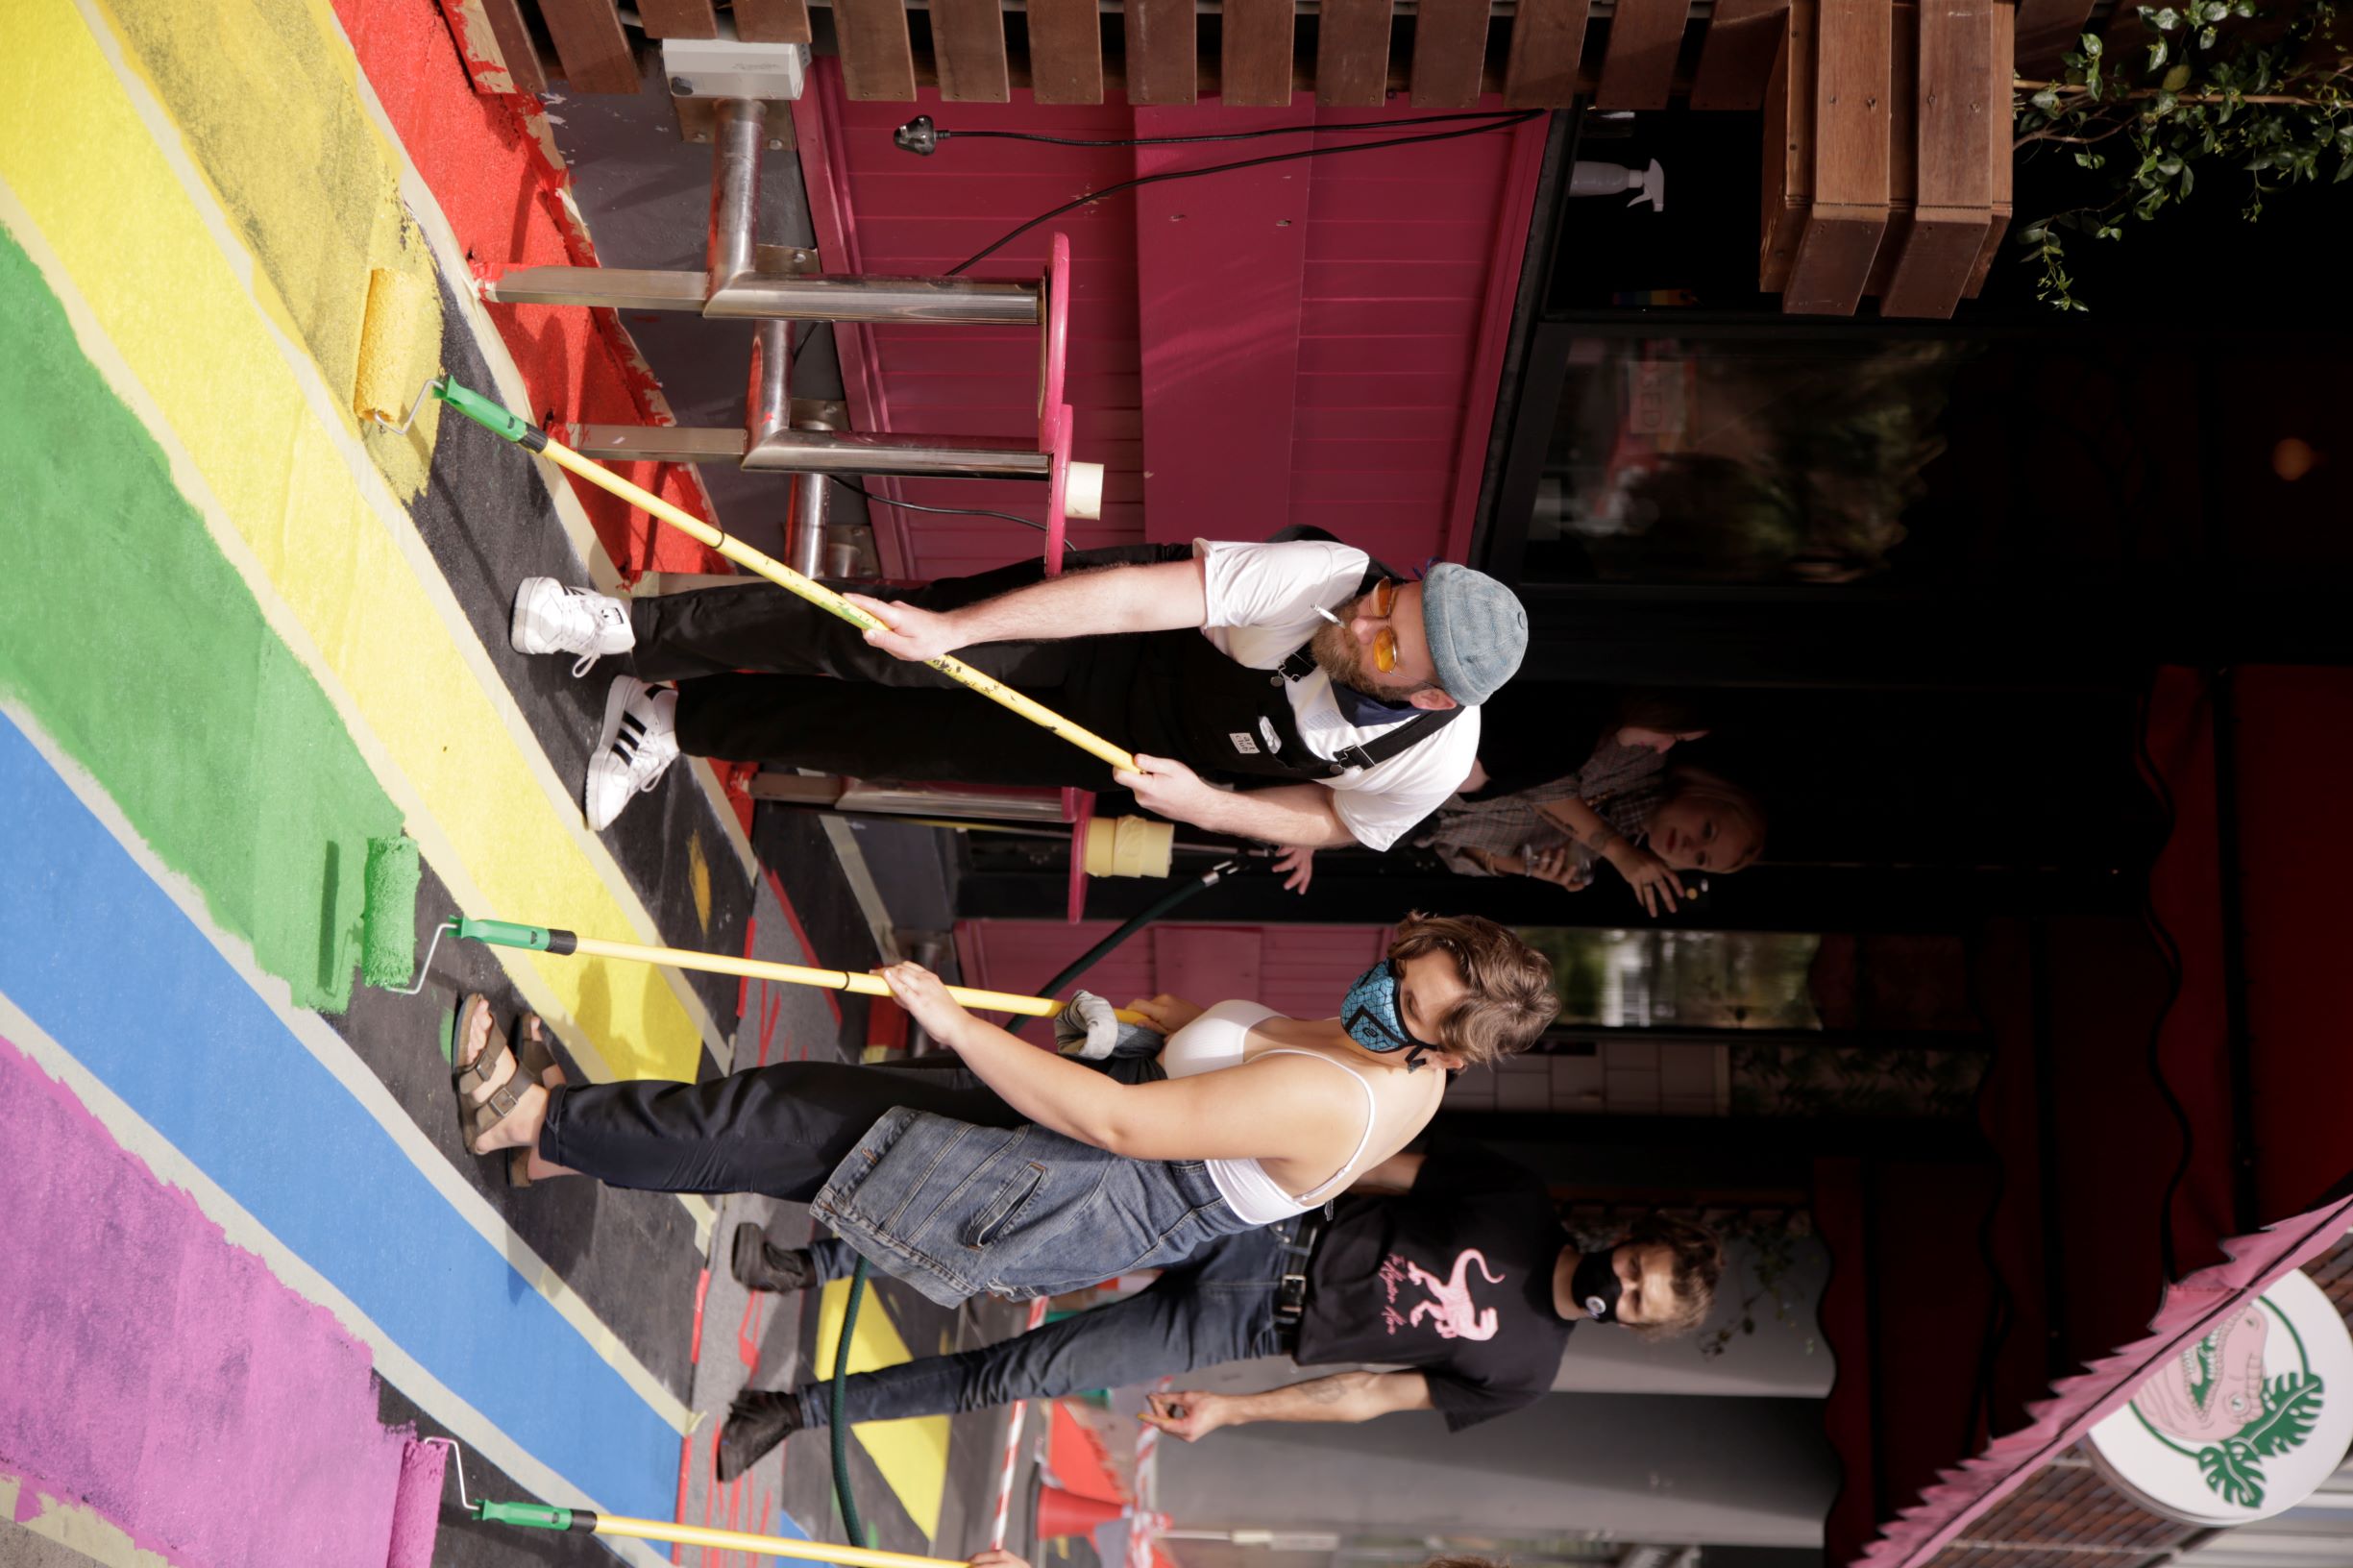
(1282, 1112)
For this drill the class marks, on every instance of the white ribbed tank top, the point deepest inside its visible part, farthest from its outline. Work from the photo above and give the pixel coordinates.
(1217, 1039)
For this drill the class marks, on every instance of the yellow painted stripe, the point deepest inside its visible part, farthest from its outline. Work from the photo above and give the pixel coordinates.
(315, 515)
(912, 1454)
(76, 1527)
(262, 92)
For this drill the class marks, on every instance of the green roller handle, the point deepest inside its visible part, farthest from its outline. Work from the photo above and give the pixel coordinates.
(492, 416)
(534, 1516)
(539, 939)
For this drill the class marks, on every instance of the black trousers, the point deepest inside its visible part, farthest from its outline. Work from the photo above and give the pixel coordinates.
(879, 717)
(778, 1130)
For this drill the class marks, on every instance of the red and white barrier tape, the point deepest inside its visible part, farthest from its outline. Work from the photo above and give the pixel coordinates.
(1013, 1444)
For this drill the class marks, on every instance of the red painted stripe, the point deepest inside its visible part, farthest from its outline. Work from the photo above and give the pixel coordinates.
(702, 1288)
(743, 981)
(801, 935)
(503, 197)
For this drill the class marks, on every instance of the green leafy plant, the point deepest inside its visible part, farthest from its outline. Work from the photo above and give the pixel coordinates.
(2261, 85)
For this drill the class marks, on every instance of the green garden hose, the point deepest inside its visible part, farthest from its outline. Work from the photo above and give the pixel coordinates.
(852, 1528)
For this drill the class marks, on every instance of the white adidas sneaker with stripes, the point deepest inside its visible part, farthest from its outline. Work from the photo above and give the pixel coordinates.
(552, 618)
(637, 744)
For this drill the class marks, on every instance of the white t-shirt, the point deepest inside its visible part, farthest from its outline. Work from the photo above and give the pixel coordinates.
(1262, 600)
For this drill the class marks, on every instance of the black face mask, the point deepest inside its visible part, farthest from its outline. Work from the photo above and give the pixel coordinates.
(1596, 1286)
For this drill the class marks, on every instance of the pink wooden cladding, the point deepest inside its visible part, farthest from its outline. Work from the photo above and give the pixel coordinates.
(1218, 271)
(913, 216)
(1398, 255)
(1300, 970)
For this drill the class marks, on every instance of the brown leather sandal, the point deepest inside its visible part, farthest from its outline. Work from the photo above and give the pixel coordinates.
(539, 1066)
(476, 1118)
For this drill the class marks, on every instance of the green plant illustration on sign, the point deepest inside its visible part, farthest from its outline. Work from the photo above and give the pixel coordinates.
(2219, 1396)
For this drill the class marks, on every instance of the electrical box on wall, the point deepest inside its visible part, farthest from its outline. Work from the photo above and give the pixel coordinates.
(726, 69)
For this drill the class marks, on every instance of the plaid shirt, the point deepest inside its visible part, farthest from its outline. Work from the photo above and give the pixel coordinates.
(1621, 783)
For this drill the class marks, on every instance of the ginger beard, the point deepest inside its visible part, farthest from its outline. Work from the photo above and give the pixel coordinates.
(1349, 662)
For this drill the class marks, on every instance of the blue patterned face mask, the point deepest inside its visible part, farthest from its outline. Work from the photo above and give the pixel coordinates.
(1369, 1012)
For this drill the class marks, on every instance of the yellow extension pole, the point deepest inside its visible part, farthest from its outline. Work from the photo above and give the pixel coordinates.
(775, 1546)
(557, 940)
(866, 985)
(826, 599)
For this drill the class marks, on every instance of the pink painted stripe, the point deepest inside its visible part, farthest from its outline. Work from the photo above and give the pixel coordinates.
(163, 1378)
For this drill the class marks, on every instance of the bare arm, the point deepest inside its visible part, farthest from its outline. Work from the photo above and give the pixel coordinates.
(1583, 823)
(1347, 1397)
(1653, 880)
(1289, 813)
(1163, 596)
(1396, 1174)
(1268, 1109)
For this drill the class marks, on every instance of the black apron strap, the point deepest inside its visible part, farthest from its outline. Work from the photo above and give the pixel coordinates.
(1382, 747)
(1388, 743)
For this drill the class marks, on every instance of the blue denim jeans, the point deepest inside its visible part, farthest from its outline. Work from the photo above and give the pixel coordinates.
(1217, 1305)
(958, 1209)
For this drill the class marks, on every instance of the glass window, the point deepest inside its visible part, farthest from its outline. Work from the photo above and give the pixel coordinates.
(1688, 459)
(1665, 989)
(1680, 979)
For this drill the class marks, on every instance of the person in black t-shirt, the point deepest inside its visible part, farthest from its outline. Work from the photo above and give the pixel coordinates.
(1450, 1264)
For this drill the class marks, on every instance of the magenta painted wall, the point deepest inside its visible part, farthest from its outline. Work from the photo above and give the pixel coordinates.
(1299, 969)
(1315, 342)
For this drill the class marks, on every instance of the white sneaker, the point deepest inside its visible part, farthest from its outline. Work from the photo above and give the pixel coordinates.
(551, 617)
(637, 744)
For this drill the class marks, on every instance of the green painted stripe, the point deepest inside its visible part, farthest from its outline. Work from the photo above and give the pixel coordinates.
(137, 645)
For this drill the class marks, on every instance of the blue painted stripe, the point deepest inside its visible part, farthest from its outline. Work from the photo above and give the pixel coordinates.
(97, 955)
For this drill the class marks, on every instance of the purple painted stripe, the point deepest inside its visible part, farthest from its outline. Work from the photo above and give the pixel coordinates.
(163, 1377)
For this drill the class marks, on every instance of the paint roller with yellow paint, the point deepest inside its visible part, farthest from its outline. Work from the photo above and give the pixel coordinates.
(399, 347)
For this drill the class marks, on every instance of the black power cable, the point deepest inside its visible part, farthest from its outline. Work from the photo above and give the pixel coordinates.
(1503, 123)
(959, 511)
(921, 136)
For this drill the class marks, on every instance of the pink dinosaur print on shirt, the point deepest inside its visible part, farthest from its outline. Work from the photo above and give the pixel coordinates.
(1450, 1308)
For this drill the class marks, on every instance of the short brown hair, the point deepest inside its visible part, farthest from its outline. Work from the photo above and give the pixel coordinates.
(1699, 1263)
(1511, 1000)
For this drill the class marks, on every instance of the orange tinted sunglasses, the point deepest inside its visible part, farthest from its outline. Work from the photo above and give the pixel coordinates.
(1384, 642)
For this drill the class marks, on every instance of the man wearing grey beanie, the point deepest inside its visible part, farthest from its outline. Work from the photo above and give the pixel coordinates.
(1336, 702)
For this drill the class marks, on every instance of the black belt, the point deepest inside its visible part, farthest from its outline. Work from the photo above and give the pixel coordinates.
(1291, 1287)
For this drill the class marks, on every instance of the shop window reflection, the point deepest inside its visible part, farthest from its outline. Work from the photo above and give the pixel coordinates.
(1690, 460)
(1652, 1024)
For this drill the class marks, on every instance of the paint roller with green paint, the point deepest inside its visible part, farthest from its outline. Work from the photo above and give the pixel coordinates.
(375, 399)
(554, 940)
(388, 922)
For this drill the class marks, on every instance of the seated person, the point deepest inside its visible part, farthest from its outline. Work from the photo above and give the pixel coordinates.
(1518, 814)
(1649, 826)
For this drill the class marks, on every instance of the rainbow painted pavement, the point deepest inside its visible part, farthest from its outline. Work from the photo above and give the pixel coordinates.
(244, 635)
